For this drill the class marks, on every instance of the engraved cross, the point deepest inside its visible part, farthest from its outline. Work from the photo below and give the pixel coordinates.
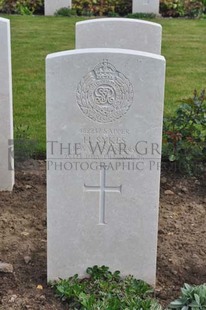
(102, 190)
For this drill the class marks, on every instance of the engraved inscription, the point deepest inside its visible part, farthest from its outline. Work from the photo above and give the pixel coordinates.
(102, 189)
(104, 95)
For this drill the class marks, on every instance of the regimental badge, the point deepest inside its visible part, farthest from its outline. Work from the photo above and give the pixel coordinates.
(104, 94)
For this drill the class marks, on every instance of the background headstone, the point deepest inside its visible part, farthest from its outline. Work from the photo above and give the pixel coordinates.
(119, 33)
(104, 127)
(145, 6)
(51, 6)
(6, 109)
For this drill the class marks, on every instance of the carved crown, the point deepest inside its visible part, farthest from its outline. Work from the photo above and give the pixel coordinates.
(105, 70)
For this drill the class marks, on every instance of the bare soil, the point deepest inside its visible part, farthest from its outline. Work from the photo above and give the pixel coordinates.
(181, 246)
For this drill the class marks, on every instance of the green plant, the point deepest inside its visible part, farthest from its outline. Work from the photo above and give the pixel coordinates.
(192, 298)
(105, 290)
(112, 14)
(184, 135)
(66, 12)
(141, 15)
(123, 7)
(194, 8)
(176, 8)
(172, 8)
(102, 7)
(102, 272)
(23, 7)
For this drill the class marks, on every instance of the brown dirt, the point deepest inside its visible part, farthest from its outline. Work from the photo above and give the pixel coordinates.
(181, 247)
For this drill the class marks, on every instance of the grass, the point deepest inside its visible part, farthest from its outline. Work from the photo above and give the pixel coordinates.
(33, 37)
(184, 49)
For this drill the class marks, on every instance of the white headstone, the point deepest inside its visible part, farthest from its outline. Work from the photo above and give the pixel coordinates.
(51, 6)
(6, 109)
(104, 124)
(119, 33)
(145, 6)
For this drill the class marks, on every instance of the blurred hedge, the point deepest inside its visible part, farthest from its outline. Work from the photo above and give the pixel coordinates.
(177, 8)
(168, 8)
(102, 7)
(22, 6)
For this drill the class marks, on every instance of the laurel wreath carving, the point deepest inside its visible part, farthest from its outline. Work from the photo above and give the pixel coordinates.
(104, 95)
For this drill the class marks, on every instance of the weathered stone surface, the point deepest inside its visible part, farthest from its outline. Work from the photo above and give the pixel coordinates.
(6, 109)
(145, 6)
(119, 33)
(103, 157)
(51, 6)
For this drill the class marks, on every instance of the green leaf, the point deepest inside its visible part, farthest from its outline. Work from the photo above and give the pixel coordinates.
(172, 157)
(197, 299)
(185, 308)
(187, 286)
